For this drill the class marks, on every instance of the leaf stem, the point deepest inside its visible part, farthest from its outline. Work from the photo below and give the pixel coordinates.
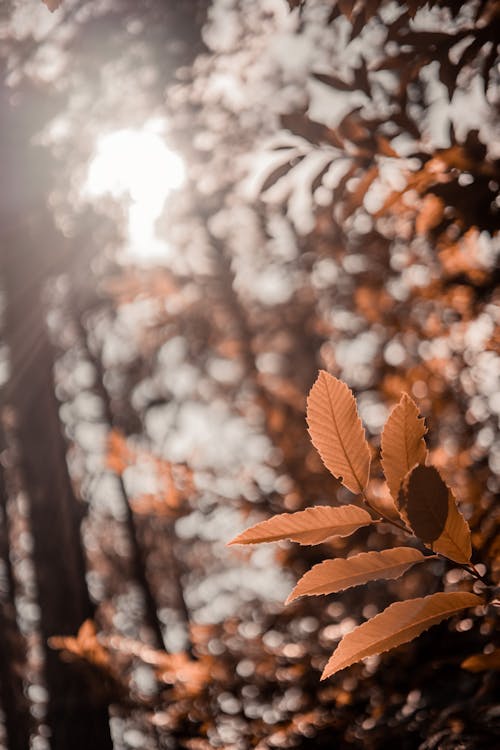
(386, 518)
(471, 568)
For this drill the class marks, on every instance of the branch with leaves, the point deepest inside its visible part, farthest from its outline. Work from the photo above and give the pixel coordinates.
(423, 507)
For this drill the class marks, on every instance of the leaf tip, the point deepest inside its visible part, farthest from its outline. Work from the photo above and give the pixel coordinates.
(292, 596)
(328, 671)
(235, 540)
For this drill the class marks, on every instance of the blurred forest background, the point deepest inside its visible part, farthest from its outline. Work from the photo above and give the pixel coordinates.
(202, 203)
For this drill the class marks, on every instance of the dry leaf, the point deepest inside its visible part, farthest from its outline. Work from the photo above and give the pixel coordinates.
(336, 575)
(483, 662)
(337, 433)
(433, 514)
(402, 443)
(399, 623)
(310, 526)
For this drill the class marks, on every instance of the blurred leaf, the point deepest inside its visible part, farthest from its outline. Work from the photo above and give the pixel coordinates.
(280, 172)
(333, 81)
(430, 215)
(52, 5)
(84, 646)
(483, 662)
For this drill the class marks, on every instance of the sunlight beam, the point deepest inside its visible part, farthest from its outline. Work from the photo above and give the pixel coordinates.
(136, 166)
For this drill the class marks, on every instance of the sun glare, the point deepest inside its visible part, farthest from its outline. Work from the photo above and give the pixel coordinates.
(138, 166)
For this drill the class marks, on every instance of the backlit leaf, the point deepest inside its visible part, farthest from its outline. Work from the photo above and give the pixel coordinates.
(399, 623)
(455, 540)
(336, 575)
(402, 443)
(337, 433)
(310, 526)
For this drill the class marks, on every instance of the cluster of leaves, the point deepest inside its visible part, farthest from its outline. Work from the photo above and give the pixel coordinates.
(478, 34)
(423, 505)
(112, 657)
(174, 481)
(456, 185)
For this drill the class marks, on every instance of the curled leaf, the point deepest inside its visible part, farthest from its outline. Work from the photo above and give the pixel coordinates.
(402, 443)
(310, 526)
(336, 575)
(399, 623)
(337, 433)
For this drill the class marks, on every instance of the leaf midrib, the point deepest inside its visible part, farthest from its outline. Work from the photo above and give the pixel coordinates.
(340, 439)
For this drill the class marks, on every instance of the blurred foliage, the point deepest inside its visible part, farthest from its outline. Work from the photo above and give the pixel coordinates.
(340, 211)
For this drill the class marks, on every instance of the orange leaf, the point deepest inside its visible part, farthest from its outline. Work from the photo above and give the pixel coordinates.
(336, 575)
(310, 526)
(455, 541)
(430, 215)
(403, 443)
(399, 623)
(483, 662)
(84, 646)
(337, 433)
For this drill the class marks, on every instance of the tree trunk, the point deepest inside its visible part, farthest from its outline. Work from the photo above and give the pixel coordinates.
(17, 718)
(30, 252)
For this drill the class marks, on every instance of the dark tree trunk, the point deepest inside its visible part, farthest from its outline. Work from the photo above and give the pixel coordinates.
(17, 718)
(30, 251)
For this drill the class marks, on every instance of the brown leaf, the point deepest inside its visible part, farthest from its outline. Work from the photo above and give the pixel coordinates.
(403, 443)
(337, 433)
(433, 515)
(333, 81)
(424, 501)
(483, 662)
(336, 575)
(283, 169)
(346, 7)
(399, 623)
(52, 5)
(385, 148)
(310, 526)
